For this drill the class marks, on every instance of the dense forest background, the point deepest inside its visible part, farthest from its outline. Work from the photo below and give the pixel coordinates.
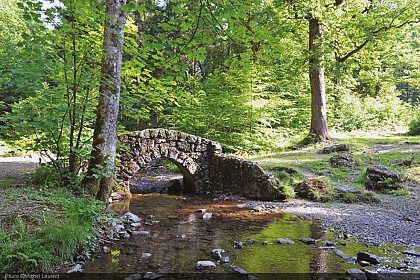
(228, 70)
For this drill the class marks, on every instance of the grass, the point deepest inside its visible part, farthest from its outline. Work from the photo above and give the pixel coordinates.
(43, 227)
(367, 149)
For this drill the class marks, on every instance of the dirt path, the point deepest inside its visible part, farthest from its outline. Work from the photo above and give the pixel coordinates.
(14, 166)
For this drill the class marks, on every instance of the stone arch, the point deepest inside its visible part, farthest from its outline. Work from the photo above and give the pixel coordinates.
(200, 160)
(191, 154)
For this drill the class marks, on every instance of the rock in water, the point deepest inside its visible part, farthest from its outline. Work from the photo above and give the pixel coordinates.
(368, 257)
(131, 218)
(205, 265)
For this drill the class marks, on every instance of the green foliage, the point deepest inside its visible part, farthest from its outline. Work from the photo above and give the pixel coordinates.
(414, 125)
(42, 240)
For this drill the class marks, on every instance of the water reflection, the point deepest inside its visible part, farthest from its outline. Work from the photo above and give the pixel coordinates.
(179, 237)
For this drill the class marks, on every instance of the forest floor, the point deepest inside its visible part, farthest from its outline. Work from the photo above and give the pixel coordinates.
(396, 218)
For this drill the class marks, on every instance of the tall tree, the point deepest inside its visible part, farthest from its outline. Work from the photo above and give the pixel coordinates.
(101, 165)
(319, 126)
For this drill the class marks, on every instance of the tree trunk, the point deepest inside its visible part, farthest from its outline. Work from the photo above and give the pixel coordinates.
(99, 179)
(319, 126)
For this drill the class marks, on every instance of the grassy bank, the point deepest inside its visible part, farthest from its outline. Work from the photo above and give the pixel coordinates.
(367, 150)
(43, 224)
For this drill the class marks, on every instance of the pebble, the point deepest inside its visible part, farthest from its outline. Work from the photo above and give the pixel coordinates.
(207, 216)
(131, 218)
(307, 240)
(250, 241)
(217, 253)
(205, 265)
(146, 255)
(105, 250)
(75, 269)
(237, 244)
(143, 233)
(225, 259)
(136, 225)
(239, 270)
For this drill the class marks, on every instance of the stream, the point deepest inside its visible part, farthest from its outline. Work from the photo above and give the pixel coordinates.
(180, 236)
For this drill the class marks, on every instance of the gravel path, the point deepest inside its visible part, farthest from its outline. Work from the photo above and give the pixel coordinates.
(395, 219)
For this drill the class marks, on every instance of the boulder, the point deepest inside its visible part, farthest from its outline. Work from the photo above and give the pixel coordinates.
(368, 257)
(335, 148)
(313, 189)
(382, 178)
(340, 160)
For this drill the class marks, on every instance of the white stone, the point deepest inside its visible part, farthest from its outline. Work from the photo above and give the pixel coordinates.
(204, 265)
(207, 216)
(132, 218)
(75, 269)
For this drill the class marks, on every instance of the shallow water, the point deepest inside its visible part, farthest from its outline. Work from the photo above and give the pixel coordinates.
(179, 237)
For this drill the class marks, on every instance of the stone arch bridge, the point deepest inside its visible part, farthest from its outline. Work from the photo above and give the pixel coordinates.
(204, 167)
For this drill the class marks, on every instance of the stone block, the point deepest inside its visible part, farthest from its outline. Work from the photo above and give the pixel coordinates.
(162, 133)
(172, 135)
(182, 136)
(184, 146)
(192, 139)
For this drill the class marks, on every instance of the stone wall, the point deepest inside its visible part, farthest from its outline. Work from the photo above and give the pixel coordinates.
(201, 161)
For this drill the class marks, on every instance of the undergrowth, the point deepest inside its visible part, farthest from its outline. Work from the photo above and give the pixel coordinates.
(53, 225)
